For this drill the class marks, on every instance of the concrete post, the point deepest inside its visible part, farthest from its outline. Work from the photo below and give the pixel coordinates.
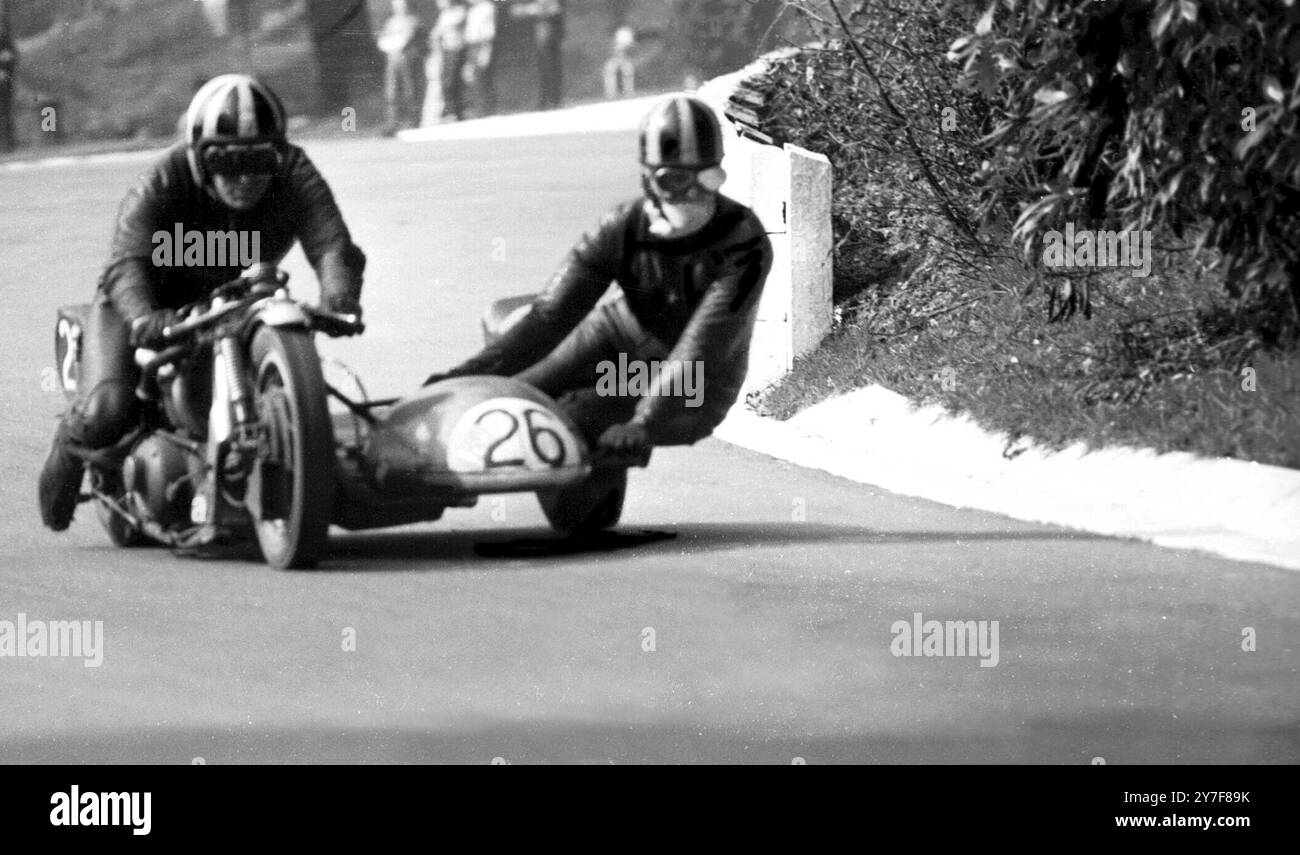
(790, 190)
(811, 247)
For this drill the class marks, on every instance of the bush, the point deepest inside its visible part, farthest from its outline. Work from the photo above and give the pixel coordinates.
(1173, 115)
(949, 121)
(951, 157)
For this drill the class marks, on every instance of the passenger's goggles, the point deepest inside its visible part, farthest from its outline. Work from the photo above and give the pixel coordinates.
(678, 180)
(233, 160)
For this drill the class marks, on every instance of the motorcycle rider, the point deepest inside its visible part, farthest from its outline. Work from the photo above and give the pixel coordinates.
(690, 263)
(234, 170)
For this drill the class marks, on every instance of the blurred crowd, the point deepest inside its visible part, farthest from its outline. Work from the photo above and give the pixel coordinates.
(457, 57)
(8, 63)
(438, 70)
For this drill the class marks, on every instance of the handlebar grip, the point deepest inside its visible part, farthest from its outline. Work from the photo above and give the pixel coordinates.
(336, 324)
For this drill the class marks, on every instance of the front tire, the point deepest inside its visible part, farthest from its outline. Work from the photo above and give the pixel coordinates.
(294, 473)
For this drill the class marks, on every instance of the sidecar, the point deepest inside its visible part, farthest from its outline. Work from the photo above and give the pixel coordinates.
(403, 461)
(406, 461)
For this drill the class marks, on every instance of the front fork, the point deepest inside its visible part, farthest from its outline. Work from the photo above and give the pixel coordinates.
(232, 438)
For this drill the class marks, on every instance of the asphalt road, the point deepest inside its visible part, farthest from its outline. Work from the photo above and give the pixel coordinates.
(771, 604)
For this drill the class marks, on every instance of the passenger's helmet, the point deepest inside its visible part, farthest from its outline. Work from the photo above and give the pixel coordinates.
(681, 131)
(681, 150)
(235, 124)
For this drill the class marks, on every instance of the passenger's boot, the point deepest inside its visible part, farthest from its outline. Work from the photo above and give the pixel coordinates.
(60, 483)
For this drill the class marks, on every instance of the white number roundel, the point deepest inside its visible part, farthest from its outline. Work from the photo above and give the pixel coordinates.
(510, 433)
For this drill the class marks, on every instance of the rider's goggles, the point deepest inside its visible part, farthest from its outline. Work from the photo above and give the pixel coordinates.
(242, 159)
(678, 181)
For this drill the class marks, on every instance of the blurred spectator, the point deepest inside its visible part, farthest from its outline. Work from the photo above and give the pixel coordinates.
(480, 58)
(8, 64)
(215, 11)
(449, 39)
(620, 75)
(433, 103)
(549, 35)
(401, 48)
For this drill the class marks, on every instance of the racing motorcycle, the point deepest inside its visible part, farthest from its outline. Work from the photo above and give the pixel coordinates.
(241, 437)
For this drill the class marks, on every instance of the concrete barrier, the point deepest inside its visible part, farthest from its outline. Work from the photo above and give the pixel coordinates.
(790, 190)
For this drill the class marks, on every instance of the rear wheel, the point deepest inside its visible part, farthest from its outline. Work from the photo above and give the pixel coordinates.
(123, 533)
(593, 505)
(293, 478)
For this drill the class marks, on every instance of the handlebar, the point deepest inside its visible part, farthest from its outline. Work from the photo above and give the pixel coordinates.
(198, 322)
(334, 324)
(257, 283)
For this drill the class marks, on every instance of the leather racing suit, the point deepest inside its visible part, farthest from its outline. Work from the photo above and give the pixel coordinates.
(687, 300)
(297, 206)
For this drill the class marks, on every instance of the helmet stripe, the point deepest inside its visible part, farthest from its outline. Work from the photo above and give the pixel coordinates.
(212, 111)
(654, 137)
(194, 118)
(690, 152)
(681, 131)
(247, 122)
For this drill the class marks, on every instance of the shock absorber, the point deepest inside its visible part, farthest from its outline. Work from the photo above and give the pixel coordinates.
(232, 364)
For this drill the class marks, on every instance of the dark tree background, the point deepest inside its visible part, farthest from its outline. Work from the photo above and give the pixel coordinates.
(346, 56)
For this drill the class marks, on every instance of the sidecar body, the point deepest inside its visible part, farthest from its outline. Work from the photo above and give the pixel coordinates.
(450, 443)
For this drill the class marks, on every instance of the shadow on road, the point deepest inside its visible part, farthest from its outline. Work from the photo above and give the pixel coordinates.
(548, 547)
(433, 548)
(1139, 737)
(395, 550)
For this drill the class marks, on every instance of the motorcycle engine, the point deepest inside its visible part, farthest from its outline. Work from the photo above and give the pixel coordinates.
(157, 478)
(187, 396)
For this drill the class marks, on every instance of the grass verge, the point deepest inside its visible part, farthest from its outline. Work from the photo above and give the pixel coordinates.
(1162, 362)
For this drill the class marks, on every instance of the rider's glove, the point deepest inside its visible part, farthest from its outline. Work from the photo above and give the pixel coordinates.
(630, 438)
(147, 330)
(341, 304)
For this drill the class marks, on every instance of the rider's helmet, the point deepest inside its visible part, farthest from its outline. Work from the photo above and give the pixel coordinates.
(681, 147)
(235, 125)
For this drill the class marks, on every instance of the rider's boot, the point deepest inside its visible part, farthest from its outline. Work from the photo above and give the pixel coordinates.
(60, 483)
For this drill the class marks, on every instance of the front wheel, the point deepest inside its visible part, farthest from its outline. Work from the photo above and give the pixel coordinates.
(293, 477)
(593, 505)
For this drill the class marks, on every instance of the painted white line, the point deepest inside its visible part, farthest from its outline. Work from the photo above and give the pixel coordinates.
(1239, 510)
(588, 118)
(608, 116)
(135, 156)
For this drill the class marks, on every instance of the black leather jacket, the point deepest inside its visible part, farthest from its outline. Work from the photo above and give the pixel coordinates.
(298, 206)
(698, 295)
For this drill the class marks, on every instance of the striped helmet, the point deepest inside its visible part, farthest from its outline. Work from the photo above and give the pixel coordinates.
(681, 131)
(231, 109)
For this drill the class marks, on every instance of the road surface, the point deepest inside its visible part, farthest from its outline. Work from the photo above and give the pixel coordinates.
(760, 631)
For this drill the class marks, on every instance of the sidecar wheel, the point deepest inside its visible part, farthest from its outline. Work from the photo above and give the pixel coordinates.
(294, 474)
(593, 505)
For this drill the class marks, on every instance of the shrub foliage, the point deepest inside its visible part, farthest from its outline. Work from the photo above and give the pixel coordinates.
(955, 125)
